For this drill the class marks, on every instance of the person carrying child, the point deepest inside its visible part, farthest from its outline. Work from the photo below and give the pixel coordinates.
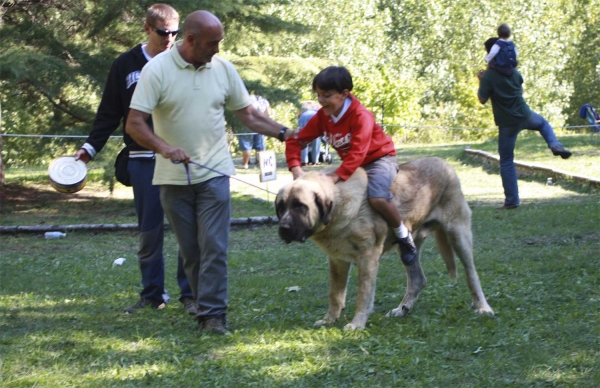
(351, 129)
(503, 55)
(512, 115)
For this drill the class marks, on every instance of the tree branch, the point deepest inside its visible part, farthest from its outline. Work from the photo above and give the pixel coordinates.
(58, 106)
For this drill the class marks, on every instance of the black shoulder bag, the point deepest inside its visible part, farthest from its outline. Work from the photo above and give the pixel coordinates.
(121, 172)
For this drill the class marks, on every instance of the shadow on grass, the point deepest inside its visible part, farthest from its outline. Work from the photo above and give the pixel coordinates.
(61, 317)
(26, 204)
(31, 205)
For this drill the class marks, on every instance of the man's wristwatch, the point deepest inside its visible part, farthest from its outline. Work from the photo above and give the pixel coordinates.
(282, 133)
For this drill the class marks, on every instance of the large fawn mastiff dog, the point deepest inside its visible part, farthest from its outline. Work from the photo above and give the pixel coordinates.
(341, 221)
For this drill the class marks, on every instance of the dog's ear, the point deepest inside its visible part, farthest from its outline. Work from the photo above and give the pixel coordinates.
(279, 205)
(324, 207)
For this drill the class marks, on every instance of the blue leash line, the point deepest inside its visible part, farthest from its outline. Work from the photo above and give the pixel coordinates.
(187, 171)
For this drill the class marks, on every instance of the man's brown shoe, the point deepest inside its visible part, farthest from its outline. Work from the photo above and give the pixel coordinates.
(189, 305)
(507, 207)
(215, 324)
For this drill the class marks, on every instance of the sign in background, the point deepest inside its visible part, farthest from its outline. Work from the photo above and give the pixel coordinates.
(268, 166)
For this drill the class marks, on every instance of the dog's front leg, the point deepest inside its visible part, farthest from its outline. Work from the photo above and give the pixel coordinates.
(368, 266)
(338, 281)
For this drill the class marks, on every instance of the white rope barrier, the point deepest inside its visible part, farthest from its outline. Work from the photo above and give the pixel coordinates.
(471, 129)
(85, 137)
(233, 223)
(254, 133)
(52, 136)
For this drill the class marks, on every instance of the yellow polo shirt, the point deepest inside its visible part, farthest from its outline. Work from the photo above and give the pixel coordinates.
(188, 111)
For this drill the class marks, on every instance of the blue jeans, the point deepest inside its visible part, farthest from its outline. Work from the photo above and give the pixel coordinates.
(200, 215)
(250, 142)
(151, 226)
(315, 151)
(507, 137)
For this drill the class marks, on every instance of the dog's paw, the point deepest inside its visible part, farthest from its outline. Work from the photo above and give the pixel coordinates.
(400, 312)
(481, 306)
(484, 310)
(352, 327)
(321, 322)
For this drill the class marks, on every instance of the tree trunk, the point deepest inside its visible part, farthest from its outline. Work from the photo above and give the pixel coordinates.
(2, 179)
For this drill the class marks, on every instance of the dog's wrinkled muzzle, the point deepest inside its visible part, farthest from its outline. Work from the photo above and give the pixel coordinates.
(288, 232)
(288, 235)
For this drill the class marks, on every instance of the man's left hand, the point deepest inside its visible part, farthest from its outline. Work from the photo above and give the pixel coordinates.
(175, 154)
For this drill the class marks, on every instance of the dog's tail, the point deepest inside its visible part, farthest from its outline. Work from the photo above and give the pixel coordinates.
(446, 252)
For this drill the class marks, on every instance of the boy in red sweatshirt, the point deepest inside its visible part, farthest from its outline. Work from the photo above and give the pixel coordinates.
(351, 129)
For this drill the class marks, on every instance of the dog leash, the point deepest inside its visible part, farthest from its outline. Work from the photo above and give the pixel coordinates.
(189, 178)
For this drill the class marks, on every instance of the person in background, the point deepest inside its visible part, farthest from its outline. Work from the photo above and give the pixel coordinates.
(255, 142)
(187, 90)
(161, 27)
(307, 110)
(351, 129)
(512, 115)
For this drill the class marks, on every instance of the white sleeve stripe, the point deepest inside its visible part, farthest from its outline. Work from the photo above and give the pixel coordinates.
(89, 149)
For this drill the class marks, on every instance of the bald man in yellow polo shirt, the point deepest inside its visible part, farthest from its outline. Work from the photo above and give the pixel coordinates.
(187, 90)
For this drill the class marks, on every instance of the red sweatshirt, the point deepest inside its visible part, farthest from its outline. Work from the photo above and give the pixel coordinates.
(356, 137)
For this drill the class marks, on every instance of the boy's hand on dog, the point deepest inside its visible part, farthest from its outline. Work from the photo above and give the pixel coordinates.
(335, 178)
(297, 172)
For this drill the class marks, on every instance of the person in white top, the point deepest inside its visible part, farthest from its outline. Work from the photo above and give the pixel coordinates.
(187, 90)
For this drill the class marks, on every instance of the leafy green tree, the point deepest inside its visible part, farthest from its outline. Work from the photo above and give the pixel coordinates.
(53, 66)
(445, 39)
(413, 61)
(582, 69)
(56, 54)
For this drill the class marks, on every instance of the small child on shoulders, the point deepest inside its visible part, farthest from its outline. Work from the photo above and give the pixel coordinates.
(503, 55)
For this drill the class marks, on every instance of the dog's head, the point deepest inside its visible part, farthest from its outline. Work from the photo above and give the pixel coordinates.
(304, 207)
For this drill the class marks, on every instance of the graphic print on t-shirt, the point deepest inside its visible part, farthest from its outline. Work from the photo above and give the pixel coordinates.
(132, 78)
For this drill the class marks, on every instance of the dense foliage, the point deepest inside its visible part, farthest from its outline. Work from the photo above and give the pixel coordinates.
(414, 61)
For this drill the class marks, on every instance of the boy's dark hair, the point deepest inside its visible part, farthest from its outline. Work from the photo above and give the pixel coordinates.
(489, 43)
(336, 78)
(504, 31)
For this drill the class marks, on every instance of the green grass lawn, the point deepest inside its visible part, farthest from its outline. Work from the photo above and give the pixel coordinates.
(62, 325)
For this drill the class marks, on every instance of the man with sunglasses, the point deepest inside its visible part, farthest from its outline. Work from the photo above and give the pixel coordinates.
(161, 27)
(187, 90)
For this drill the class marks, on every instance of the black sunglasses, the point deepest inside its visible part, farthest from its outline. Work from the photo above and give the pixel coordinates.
(164, 32)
